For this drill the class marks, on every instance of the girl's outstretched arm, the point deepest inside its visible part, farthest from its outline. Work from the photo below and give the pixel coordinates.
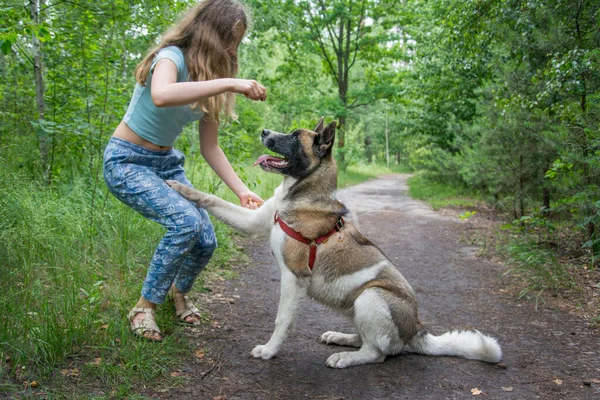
(214, 156)
(167, 92)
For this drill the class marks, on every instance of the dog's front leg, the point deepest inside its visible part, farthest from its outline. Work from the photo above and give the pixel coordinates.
(253, 222)
(292, 293)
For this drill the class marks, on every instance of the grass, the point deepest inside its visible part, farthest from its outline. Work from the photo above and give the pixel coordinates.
(72, 264)
(534, 264)
(355, 174)
(441, 194)
(70, 272)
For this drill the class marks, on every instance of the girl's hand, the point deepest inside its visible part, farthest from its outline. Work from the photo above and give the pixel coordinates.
(250, 88)
(250, 200)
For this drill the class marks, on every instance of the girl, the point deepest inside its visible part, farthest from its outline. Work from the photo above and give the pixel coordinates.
(189, 76)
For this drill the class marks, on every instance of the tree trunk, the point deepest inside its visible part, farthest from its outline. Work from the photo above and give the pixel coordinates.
(546, 200)
(342, 76)
(387, 146)
(341, 138)
(34, 8)
(521, 188)
(590, 226)
(5, 106)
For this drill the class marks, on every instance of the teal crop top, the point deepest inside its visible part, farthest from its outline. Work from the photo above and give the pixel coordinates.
(160, 126)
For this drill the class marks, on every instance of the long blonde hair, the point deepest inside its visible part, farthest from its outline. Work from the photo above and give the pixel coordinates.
(204, 34)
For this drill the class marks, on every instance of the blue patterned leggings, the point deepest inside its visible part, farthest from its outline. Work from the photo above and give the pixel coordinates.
(136, 176)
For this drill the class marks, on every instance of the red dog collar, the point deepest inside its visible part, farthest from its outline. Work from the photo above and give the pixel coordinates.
(313, 243)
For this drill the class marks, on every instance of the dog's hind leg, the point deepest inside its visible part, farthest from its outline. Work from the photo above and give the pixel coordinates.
(341, 339)
(366, 355)
(377, 331)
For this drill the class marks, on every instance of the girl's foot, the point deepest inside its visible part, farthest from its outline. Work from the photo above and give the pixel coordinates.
(185, 310)
(143, 323)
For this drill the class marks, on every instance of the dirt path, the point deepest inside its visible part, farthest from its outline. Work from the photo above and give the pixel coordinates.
(547, 354)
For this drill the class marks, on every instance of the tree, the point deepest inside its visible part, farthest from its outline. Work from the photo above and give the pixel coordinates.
(344, 35)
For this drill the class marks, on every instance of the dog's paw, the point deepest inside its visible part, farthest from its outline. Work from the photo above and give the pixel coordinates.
(328, 337)
(331, 337)
(341, 339)
(185, 191)
(350, 358)
(338, 360)
(263, 351)
(189, 193)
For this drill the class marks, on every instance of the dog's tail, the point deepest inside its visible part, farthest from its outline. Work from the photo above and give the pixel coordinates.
(473, 345)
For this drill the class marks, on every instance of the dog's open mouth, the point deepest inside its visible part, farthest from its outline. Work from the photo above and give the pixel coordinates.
(269, 161)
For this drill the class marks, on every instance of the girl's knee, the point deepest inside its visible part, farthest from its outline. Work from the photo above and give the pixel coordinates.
(207, 252)
(188, 227)
(194, 227)
(207, 241)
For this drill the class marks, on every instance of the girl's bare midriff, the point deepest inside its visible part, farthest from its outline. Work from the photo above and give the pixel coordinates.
(124, 132)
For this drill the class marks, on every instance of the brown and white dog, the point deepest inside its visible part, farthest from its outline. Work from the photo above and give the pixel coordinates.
(325, 257)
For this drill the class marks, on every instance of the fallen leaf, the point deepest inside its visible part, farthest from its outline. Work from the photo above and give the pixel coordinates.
(96, 361)
(558, 381)
(199, 354)
(475, 392)
(175, 374)
(104, 326)
(507, 388)
(70, 372)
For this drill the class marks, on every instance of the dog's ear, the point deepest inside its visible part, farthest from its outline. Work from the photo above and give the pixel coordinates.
(324, 140)
(319, 127)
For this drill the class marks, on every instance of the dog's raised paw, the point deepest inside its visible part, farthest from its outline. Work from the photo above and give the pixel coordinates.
(178, 186)
(189, 193)
(262, 351)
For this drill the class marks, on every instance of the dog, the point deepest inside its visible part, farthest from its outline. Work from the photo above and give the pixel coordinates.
(322, 255)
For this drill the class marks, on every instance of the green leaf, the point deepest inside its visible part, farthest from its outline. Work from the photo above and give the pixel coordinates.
(6, 46)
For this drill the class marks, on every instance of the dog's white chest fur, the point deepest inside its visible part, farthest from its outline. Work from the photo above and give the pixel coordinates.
(333, 292)
(278, 237)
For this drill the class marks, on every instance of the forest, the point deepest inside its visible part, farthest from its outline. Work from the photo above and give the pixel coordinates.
(496, 100)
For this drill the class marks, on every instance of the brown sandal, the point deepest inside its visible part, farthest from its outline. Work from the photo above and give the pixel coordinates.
(148, 324)
(189, 310)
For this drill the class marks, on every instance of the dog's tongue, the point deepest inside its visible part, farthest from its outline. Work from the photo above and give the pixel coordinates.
(260, 160)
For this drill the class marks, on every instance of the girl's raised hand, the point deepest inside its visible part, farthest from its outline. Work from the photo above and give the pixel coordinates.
(250, 88)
